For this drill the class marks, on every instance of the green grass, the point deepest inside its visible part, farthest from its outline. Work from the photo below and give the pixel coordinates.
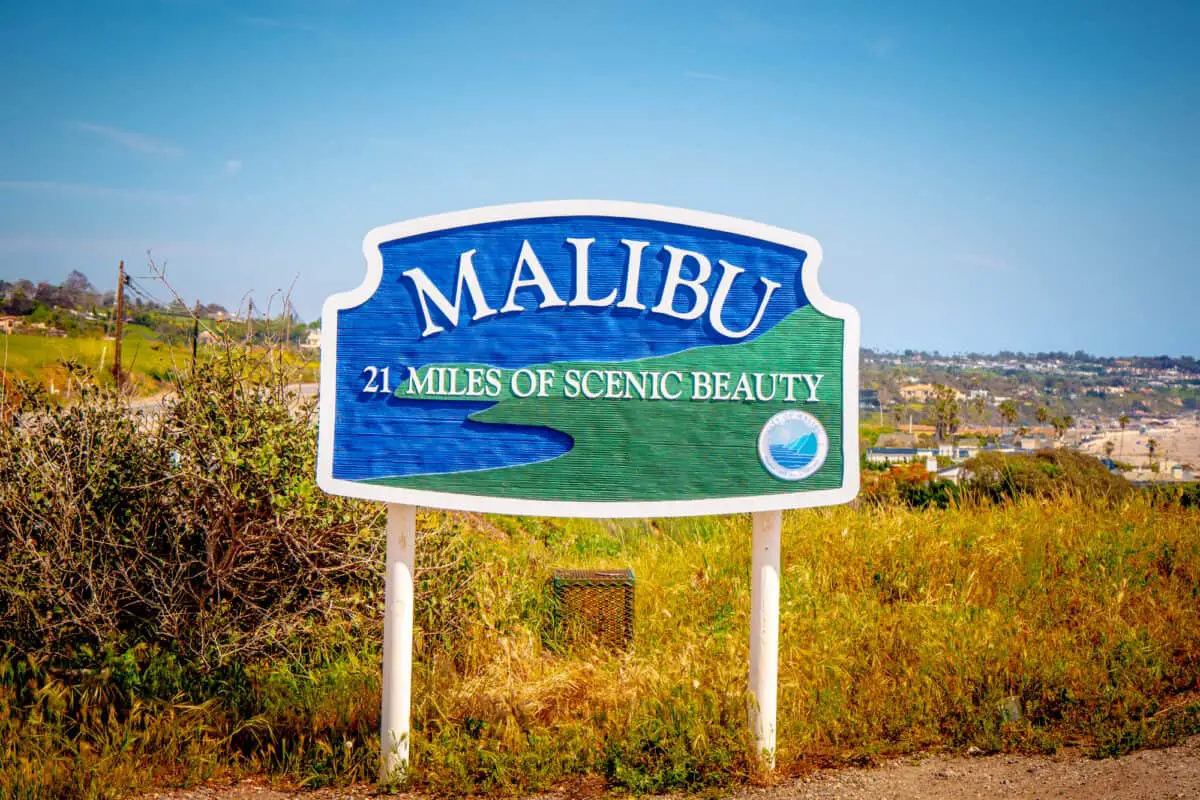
(901, 630)
(144, 356)
(148, 361)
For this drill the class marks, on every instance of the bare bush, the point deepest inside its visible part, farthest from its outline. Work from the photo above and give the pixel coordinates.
(199, 529)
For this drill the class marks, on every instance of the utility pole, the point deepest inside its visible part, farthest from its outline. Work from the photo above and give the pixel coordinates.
(195, 333)
(4, 380)
(121, 280)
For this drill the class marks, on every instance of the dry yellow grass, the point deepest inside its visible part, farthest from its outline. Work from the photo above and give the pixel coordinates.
(900, 630)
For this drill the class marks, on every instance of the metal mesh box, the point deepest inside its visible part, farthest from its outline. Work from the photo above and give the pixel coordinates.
(596, 605)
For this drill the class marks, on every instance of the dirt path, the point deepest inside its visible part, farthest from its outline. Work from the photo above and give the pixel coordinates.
(1170, 773)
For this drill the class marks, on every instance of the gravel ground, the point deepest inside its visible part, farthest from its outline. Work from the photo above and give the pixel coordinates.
(1160, 774)
(1169, 773)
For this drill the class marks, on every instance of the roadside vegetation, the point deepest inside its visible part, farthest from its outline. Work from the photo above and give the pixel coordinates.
(57, 363)
(64, 367)
(61, 337)
(179, 603)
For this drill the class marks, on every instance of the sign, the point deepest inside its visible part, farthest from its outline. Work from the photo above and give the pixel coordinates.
(589, 358)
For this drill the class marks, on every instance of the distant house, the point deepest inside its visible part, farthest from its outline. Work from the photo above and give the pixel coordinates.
(898, 455)
(207, 337)
(1182, 472)
(953, 473)
(917, 393)
(313, 341)
(868, 399)
(924, 392)
(9, 324)
(960, 451)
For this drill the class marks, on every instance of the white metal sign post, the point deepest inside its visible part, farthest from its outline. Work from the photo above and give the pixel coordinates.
(587, 358)
(399, 593)
(398, 637)
(764, 630)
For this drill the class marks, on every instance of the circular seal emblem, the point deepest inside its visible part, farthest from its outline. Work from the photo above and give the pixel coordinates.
(793, 445)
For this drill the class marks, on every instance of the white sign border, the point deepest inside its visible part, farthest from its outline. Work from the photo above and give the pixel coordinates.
(567, 508)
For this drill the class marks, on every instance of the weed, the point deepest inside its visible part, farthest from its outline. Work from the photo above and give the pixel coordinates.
(178, 602)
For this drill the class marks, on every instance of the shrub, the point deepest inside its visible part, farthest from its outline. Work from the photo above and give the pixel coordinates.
(1047, 473)
(1185, 495)
(199, 530)
(187, 560)
(907, 484)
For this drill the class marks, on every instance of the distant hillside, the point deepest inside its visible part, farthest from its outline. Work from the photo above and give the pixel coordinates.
(76, 307)
(55, 332)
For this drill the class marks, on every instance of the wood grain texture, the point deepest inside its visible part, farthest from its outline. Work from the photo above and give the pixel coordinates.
(668, 450)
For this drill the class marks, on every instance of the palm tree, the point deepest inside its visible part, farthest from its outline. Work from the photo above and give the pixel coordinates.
(1123, 420)
(1108, 448)
(1008, 412)
(1152, 445)
(1042, 414)
(945, 411)
(980, 406)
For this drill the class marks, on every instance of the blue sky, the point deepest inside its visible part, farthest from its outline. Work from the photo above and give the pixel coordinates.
(984, 175)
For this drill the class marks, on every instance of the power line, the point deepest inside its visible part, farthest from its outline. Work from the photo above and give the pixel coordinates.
(144, 293)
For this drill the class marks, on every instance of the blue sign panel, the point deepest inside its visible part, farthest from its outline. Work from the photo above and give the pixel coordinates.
(592, 359)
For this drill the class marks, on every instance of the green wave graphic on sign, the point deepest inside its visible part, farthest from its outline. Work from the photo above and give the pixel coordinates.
(684, 449)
